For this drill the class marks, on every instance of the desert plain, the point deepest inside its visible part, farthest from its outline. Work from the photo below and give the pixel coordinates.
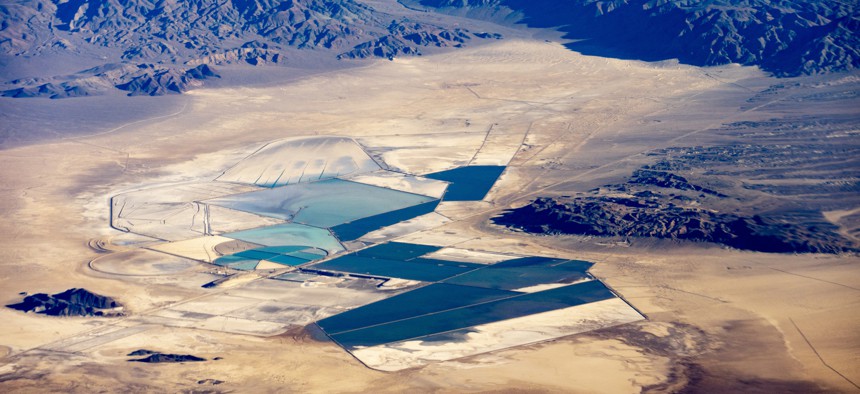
(716, 319)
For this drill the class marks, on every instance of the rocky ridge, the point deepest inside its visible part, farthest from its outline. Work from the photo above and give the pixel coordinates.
(648, 216)
(407, 37)
(156, 47)
(769, 187)
(141, 79)
(784, 37)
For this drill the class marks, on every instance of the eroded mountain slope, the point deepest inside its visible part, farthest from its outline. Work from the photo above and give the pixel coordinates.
(157, 47)
(785, 37)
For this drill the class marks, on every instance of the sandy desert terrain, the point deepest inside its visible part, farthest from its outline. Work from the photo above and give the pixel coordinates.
(718, 320)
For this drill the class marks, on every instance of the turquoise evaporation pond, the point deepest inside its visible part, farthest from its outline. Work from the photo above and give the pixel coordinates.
(286, 255)
(290, 234)
(376, 330)
(470, 183)
(236, 262)
(322, 204)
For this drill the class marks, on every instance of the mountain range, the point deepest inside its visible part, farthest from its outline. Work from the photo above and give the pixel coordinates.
(168, 46)
(784, 37)
(70, 48)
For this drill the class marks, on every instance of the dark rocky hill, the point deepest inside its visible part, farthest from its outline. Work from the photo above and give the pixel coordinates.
(72, 302)
(154, 357)
(765, 186)
(785, 37)
(650, 216)
(156, 47)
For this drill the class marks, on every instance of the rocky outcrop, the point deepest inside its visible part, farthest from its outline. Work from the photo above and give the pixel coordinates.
(154, 81)
(771, 186)
(385, 47)
(668, 180)
(646, 217)
(785, 37)
(407, 37)
(72, 302)
(254, 53)
(140, 79)
(158, 357)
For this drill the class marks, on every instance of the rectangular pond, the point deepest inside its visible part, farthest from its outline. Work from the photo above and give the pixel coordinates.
(428, 299)
(468, 316)
(470, 183)
(418, 269)
(525, 272)
(398, 251)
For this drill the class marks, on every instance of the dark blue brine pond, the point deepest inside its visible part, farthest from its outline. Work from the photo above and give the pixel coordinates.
(425, 270)
(398, 260)
(428, 299)
(524, 272)
(400, 329)
(470, 183)
(355, 229)
(463, 294)
(398, 251)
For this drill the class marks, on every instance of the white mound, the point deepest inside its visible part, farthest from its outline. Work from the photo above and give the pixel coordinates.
(407, 183)
(298, 160)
